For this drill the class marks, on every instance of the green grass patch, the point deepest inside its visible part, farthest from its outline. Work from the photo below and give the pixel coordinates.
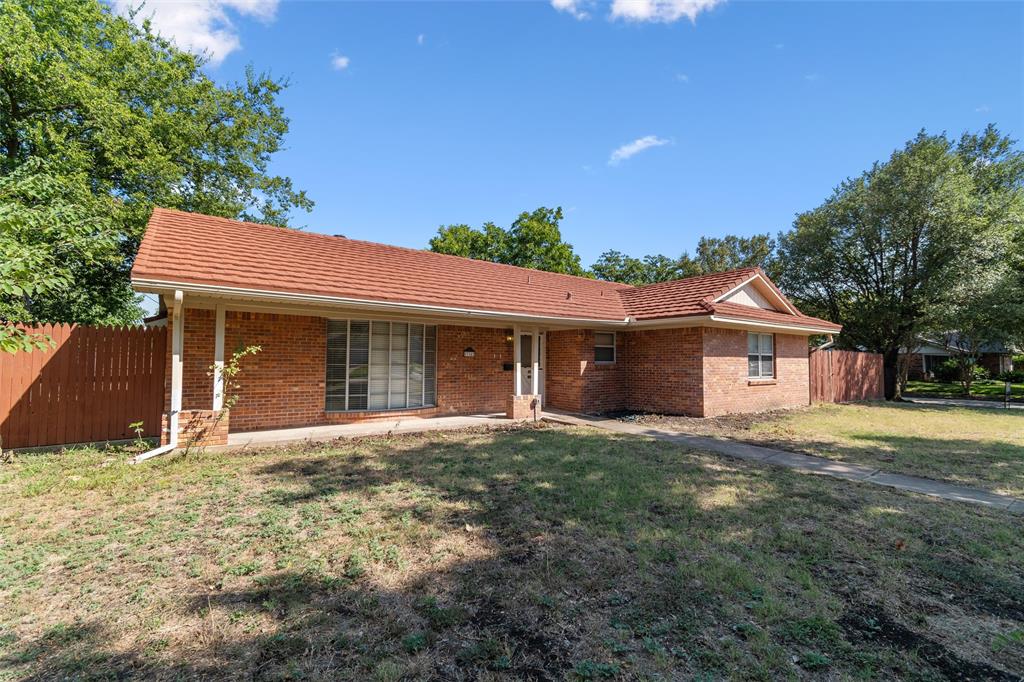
(521, 554)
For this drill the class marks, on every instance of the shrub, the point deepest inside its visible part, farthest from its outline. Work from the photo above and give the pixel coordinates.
(949, 372)
(1014, 377)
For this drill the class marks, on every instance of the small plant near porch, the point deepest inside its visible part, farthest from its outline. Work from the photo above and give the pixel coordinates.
(229, 390)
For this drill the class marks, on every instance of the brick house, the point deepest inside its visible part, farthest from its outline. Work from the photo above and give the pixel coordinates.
(353, 330)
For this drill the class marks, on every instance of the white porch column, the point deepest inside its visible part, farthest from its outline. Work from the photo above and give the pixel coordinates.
(177, 350)
(218, 359)
(535, 355)
(518, 357)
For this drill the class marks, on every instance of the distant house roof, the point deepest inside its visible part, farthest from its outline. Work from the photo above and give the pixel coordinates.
(220, 256)
(953, 342)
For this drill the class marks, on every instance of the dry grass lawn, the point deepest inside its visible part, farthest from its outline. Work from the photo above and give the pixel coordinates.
(533, 553)
(970, 446)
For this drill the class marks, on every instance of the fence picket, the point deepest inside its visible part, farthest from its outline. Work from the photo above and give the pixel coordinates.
(842, 376)
(88, 387)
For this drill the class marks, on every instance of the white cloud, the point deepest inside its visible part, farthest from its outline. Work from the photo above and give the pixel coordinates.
(983, 109)
(574, 7)
(339, 62)
(779, 46)
(421, 38)
(811, 77)
(682, 78)
(200, 26)
(664, 11)
(635, 147)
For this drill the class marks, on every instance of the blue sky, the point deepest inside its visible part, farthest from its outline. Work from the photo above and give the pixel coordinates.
(405, 116)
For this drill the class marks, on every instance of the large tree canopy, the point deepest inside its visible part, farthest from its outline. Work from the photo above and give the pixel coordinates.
(714, 254)
(532, 241)
(887, 252)
(112, 109)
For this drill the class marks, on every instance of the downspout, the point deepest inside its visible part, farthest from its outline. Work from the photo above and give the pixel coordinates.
(177, 348)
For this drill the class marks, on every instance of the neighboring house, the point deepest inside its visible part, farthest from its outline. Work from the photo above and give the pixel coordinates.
(932, 352)
(353, 330)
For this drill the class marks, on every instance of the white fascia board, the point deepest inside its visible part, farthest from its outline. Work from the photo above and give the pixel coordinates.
(160, 286)
(771, 291)
(770, 325)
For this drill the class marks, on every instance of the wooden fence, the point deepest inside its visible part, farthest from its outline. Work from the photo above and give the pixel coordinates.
(842, 376)
(88, 388)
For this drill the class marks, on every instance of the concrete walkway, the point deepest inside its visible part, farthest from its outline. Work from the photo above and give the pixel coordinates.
(803, 463)
(964, 402)
(358, 430)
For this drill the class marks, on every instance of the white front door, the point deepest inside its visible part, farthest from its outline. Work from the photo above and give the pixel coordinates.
(526, 360)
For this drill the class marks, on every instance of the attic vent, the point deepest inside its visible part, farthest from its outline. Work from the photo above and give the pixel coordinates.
(568, 295)
(339, 236)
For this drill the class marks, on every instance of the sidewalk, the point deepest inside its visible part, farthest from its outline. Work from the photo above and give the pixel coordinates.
(963, 402)
(804, 463)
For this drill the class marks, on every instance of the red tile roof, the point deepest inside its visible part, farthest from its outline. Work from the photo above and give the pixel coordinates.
(189, 248)
(682, 297)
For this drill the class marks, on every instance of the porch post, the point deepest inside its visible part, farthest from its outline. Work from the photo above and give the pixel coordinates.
(535, 355)
(518, 357)
(177, 349)
(218, 359)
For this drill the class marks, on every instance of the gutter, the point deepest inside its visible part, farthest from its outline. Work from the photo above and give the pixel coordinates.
(177, 346)
(285, 297)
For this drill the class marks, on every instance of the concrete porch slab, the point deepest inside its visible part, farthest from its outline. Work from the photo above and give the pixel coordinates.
(358, 430)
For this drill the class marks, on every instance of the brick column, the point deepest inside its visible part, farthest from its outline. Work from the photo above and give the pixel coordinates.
(523, 407)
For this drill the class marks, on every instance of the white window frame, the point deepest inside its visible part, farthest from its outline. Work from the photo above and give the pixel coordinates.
(605, 345)
(761, 356)
(369, 359)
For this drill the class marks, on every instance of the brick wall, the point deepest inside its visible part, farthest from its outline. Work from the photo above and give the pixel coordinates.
(694, 371)
(664, 371)
(727, 388)
(283, 385)
(478, 384)
(574, 382)
(196, 381)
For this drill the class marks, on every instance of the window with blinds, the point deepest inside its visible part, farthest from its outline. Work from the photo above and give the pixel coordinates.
(375, 365)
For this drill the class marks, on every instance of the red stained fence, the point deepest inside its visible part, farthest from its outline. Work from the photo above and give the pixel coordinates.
(843, 376)
(88, 388)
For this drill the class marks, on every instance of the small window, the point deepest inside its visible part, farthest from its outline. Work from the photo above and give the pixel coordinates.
(604, 346)
(760, 356)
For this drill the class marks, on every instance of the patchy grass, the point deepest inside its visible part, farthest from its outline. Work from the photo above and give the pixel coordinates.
(980, 390)
(536, 553)
(983, 448)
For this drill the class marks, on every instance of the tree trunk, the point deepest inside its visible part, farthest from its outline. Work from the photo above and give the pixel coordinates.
(891, 372)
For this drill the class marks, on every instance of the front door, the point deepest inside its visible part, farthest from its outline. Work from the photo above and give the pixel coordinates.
(526, 359)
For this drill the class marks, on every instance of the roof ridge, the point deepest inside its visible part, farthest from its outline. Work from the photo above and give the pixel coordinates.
(616, 286)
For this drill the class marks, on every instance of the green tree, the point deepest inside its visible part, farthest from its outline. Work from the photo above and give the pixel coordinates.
(615, 266)
(719, 254)
(884, 252)
(53, 234)
(987, 305)
(110, 104)
(534, 240)
(714, 254)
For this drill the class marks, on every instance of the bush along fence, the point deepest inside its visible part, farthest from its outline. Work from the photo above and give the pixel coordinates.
(94, 384)
(843, 376)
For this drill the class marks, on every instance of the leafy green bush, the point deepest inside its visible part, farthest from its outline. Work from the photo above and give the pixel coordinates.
(1014, 377)
(949, 372)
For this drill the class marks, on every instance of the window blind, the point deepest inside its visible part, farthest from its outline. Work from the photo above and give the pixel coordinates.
(380, 365)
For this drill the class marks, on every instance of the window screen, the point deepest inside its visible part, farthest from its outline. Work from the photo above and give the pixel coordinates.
(379, 365)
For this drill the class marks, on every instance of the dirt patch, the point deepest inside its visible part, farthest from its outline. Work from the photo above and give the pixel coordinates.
(872, 624)
(733, 425)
